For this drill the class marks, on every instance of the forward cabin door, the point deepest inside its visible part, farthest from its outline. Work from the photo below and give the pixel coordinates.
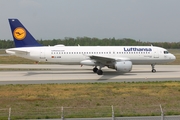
(156, 53)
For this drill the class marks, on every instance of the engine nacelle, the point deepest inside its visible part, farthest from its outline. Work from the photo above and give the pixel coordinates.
(123, 66)
(88, 62)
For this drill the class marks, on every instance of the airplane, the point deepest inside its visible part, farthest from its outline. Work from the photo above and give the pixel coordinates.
(120, 58)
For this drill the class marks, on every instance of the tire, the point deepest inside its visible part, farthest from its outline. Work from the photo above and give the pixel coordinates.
(95, 70)
(99, 72)
(153, 70)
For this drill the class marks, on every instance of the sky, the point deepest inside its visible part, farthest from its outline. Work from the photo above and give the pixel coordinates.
(144, 20)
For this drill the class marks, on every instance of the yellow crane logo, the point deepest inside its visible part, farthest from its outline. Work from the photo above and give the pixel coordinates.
(19, 33)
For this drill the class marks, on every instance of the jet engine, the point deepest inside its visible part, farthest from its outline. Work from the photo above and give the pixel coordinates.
(123, 66)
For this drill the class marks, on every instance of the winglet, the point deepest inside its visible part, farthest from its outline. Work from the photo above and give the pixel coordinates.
(21, 36)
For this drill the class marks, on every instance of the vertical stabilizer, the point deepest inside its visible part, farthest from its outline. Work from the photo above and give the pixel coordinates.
(21, 36)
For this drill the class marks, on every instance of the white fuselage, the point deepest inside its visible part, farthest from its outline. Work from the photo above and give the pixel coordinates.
(75, 54)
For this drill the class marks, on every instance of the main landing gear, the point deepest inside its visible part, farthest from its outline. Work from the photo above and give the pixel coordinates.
(98, 71)
(95, 69)
(153, 69)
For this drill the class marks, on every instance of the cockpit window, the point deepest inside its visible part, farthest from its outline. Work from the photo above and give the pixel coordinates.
(166, 52)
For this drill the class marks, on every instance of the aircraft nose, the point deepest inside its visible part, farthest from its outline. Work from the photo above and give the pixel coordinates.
(173, 57)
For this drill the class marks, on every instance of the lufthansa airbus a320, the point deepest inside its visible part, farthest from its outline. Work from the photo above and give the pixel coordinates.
(120, 58)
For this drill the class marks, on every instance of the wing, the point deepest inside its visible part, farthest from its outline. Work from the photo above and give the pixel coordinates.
(106, 60)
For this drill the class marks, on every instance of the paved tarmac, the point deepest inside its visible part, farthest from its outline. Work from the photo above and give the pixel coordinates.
(51, 73)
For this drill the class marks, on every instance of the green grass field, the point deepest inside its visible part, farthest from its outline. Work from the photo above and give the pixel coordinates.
(91, 100)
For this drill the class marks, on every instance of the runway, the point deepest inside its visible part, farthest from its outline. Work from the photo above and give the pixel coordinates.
(51, 73)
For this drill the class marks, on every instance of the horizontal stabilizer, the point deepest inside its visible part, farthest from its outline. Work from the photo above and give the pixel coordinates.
(12, 51)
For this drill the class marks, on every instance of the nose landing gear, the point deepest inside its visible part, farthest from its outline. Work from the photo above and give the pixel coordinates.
(153, 68)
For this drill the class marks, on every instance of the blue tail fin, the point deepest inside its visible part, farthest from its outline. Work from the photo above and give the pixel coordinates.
(22, 37)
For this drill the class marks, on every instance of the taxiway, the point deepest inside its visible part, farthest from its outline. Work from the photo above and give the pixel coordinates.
(42, 74)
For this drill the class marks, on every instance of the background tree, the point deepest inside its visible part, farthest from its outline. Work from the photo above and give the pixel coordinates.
(87, 41)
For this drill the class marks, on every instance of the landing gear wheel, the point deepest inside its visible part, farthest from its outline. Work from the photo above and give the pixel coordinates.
(95, 69)
(153, 66)
(99, 72)
(153, 70)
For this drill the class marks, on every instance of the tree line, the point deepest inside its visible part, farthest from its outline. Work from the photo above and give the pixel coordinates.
(87, 41)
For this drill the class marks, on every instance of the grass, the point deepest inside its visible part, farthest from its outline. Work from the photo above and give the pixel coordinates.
(2, 51)
(91, 99)
(14, 60)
